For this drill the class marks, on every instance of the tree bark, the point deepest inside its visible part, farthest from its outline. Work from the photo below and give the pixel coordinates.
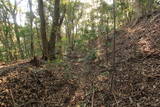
(43, 30)
(55, 30)
(31, 27)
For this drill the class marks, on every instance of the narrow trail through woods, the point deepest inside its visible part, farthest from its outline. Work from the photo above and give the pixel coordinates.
(65, 84)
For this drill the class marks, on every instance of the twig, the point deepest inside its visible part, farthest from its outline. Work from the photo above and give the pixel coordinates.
(112, 81)
(93, 98)
(34, 101)
(29, 102)
(115, 98)
(14, 103)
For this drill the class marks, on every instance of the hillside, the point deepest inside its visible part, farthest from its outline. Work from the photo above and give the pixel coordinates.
(138, 63)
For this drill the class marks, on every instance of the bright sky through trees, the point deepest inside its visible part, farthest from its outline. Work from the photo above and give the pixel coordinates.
(108, 1)
(23, 6)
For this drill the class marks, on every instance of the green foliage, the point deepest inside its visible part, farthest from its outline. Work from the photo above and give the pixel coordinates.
(56, 62)
(2, 54)
(105, 73)
(108, 44)
(91, 55)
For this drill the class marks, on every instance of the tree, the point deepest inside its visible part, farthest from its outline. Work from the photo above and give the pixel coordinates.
(43, 34)
(12, 9)
(31, 27)
(56, 28)
(5, 37)
(113, 42)
(43, 30)
(74, 13)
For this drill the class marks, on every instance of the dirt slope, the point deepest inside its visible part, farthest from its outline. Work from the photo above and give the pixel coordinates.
(142, 40)
(137, 75)
(138, 63)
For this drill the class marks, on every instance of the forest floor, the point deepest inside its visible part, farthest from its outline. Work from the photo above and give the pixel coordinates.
(75, 82)
(69, 83)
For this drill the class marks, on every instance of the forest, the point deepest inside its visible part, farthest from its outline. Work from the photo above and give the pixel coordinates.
(79, 53)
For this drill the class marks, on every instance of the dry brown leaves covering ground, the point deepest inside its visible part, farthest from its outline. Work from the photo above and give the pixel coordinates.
(27, 85)
(137, 79)
(77, 83)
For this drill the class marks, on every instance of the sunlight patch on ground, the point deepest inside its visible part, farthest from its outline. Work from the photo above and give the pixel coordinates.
(145, 45)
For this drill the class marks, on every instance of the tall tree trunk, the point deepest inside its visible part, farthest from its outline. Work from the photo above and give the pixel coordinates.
(114, 35)
(113, 47)
(107, 47)
(59, 40)
(59, 36)
(43, 29)
(55, 30)
(31, 27)
(25, 47)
